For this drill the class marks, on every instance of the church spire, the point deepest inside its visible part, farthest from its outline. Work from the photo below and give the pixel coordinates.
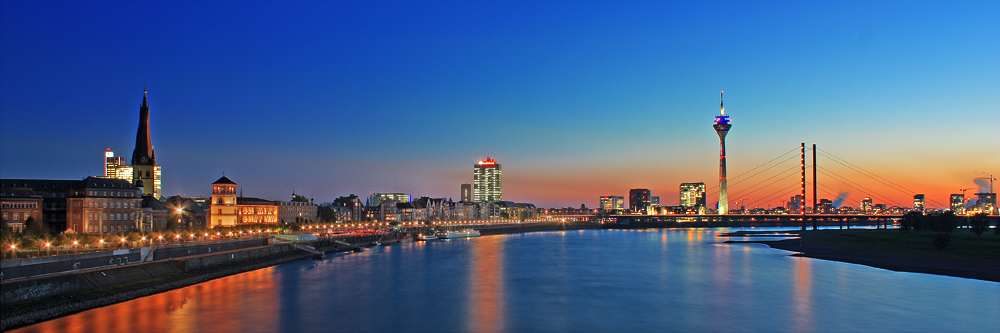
(143, 153)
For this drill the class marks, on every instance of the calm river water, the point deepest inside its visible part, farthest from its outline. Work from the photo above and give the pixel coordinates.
(579, 281)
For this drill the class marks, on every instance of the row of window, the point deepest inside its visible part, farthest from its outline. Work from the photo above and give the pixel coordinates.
(111, 194)
(16, 216)
(113, 217)
(19, 205)
(117, 204)
(110, 228)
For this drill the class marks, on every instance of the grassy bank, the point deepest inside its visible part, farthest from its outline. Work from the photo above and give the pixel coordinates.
(964, 245)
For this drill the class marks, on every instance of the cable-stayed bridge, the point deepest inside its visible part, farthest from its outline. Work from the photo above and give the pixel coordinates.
(798, 179)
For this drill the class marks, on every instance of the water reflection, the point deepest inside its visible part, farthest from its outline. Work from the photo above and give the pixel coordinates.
(802, 297)
(581, 281)
(192, 309)
(486, 288)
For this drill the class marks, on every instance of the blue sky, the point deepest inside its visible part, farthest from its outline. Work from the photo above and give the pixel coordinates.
(574, 99)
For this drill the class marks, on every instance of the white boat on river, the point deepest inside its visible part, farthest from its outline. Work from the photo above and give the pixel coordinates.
(459, 234)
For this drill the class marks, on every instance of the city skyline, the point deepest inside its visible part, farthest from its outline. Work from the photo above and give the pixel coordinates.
(577, 102)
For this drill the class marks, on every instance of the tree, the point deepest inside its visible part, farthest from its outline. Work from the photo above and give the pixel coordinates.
(35, 229)
(910, 220)
(327, 214)
(944, 222)
(979, 223)
(942, 239)
(299, 198)
(6, 232)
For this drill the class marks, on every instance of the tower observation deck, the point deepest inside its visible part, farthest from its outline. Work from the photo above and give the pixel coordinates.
(722, 126)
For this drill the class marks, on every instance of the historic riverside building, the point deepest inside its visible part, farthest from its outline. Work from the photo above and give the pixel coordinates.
(487, 178)
(92, 205)
(17, 209)
(222, 206)
(297, 211)
(227, 209)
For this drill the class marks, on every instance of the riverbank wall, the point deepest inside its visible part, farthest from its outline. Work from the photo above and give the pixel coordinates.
(32, 300)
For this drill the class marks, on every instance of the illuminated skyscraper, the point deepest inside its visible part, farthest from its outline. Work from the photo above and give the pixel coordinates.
(612, 203)
(486, 181)
(958, 203)
(722, 128)
(693, 195)
(111, 164)
(867, 205)
(919, 202)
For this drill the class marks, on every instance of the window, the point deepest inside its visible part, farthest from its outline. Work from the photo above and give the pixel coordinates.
(105, 205)
(16, 215)
(105, 216)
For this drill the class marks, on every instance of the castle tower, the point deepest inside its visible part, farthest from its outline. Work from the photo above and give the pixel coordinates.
(722, 128)
(222, 207)
(144, 169)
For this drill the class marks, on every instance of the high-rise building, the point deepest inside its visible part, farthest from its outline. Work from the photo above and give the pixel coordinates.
(466, 193)
(145, 174)
(866, 205)
(986, 203)
(919, 202)
(638, 199)
(796, 204)
(958, 203)
(111, 164)
(692, 195)
(487, 181)
(722, 126)
(612, 203)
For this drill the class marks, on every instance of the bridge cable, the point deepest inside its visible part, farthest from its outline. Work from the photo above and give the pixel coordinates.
(755, 168)
(844, 180)
(873, 176)
(755, 188)
(858, 187)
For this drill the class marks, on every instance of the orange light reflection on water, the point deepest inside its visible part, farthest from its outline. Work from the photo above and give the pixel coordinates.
(251, 292)
(802, 298)
(486, 296)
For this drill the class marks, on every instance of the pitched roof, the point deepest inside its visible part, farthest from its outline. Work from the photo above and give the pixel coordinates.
(224, 180)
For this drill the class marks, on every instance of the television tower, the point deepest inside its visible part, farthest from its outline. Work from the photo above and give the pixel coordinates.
(722, 128)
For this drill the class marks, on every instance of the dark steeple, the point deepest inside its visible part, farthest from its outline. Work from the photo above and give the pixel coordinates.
(143, 153)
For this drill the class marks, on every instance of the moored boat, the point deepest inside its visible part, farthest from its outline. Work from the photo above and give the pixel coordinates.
(427, 237)
(459, 234)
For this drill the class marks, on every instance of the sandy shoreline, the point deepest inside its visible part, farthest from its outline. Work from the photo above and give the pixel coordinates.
(956, 268)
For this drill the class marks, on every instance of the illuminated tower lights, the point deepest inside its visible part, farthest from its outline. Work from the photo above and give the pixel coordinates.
(722, 126)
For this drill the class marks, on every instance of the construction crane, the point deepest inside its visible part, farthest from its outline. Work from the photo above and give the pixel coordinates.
(991, 179)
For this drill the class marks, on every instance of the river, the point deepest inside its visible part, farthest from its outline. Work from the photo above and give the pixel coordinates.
(683, 280)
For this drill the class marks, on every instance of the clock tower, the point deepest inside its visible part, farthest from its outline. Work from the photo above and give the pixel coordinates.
(144, 170)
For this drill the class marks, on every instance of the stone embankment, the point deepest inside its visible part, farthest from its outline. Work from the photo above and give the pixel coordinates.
(98, 288)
